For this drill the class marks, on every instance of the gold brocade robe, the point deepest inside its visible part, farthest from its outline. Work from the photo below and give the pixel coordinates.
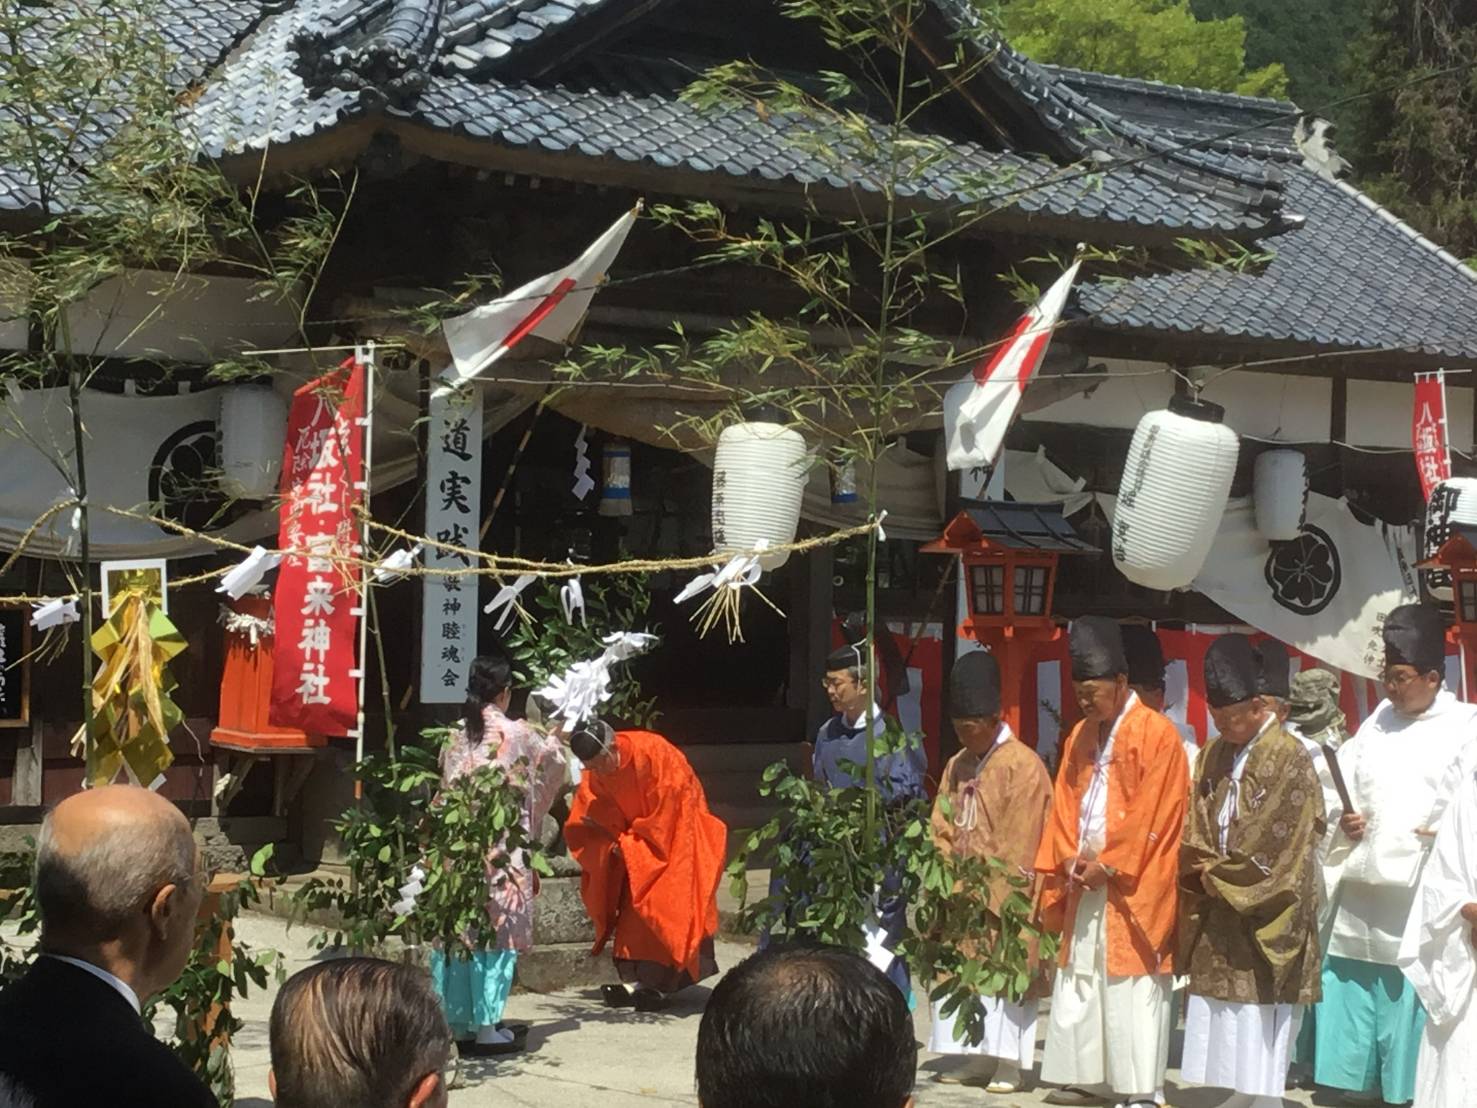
(1255, 939)
(998, 804)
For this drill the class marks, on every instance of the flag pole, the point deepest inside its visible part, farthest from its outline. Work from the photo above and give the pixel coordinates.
(1445, 433)
(365, 355)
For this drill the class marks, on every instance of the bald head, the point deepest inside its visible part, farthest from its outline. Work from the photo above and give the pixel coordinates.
(102, 856)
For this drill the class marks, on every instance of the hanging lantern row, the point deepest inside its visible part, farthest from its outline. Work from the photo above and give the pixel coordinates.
(843, 484)
(1280, 494)
(253, 427)
(615, 478)
(1175, 486)
(759, 478)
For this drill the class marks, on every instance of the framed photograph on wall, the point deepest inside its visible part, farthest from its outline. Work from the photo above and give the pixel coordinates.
(15, 664)
(151, 573)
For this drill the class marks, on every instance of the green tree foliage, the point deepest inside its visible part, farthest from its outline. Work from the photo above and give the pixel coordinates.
(1310, 38)
(1413, 146)
(1158, 39)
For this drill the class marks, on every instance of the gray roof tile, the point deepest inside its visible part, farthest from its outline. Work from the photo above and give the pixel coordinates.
(1352, 278)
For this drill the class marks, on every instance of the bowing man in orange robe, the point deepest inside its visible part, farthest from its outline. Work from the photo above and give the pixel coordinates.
(1109, 858)
(651, 856)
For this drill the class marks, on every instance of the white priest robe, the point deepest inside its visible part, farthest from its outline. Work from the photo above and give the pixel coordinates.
(1333, 807)
(1394, 768)
(1438, 958)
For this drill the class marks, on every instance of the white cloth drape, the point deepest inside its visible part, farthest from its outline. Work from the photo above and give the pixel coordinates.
(1437, 956)
(1242, 1047)
(1106, 1030)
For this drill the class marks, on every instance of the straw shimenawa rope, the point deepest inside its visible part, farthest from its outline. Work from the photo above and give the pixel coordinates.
(492, 565)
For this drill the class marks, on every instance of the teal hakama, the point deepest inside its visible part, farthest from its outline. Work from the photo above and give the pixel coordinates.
(1368, 1030)
(473, 987)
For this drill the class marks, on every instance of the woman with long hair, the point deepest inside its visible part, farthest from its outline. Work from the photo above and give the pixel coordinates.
(474, 989)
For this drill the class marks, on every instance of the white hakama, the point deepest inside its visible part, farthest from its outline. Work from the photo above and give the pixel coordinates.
(1437, 956)
(1010, 1032)
(1242, 1047)
(1111, 1031)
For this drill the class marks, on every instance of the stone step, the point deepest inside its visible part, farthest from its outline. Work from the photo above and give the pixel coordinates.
(713, 758)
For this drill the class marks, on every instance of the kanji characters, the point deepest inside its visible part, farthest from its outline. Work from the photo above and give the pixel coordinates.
(313, 684)
(318, 598)
(453, 489)
(455, 440)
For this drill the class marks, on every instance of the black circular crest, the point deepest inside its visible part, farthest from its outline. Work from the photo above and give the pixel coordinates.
(183, 482)
(1304, 573)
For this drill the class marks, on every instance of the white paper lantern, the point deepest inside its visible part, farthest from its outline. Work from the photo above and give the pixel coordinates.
(1174, 491)
(759, 479)
(1280, 494)
(1453, 501)
(253, 425)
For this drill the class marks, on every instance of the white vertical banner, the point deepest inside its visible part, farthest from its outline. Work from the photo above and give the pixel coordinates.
(453, 515)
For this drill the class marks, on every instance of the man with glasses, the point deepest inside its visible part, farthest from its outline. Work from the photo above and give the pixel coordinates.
(119, 884)
(1369, 1024)
(842, 738)
(1248, 882)
(839, 762)
(1109, 861)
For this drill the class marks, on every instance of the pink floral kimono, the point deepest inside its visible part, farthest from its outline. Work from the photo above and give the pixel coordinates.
(474, 986)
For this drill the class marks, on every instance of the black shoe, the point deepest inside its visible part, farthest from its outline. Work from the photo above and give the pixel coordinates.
(471, 1048)
(649, 1000)
(617, 996)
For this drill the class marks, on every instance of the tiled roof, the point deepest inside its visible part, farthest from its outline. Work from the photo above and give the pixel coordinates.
(628, 110)
(479, 33)
(299, 69)
(1353, 278)
(199, 33)
(1261, 127)
(276, 72)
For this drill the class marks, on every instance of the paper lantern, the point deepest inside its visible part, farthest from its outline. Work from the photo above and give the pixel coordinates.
(759, 478)
(1453, 502)
(253, 423)
(843, 484)
(615, 484)
(1280, 494)
(1174, 491)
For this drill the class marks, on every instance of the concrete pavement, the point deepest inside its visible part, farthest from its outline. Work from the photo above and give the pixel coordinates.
(584, 1055)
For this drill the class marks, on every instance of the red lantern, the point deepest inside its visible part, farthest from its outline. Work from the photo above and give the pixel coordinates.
(1009, 555)
(1458, 555)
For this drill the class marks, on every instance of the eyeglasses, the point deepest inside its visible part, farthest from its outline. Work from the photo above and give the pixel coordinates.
(834, 684)
(205, 876)
(451, 1071)
(1398, 679)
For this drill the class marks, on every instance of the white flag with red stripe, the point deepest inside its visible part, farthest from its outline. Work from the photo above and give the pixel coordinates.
(550, 307)
(980, 408)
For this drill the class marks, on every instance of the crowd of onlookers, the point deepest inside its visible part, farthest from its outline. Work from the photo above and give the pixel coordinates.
(120, 882)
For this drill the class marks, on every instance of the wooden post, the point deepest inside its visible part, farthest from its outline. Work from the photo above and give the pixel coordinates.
(205, 1024)
(26, 787)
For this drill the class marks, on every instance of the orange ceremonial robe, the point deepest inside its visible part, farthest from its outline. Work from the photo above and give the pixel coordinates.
(1147, 800)
(651, 883)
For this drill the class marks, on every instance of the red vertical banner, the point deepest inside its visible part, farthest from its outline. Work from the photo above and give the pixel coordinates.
(314, 686)
(1428, 431)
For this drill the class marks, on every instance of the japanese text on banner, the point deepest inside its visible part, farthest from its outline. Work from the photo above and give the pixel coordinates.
(1428, 432)
(314, 686)
(453, 511)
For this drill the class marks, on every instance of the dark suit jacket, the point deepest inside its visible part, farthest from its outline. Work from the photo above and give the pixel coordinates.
(68, 1040)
